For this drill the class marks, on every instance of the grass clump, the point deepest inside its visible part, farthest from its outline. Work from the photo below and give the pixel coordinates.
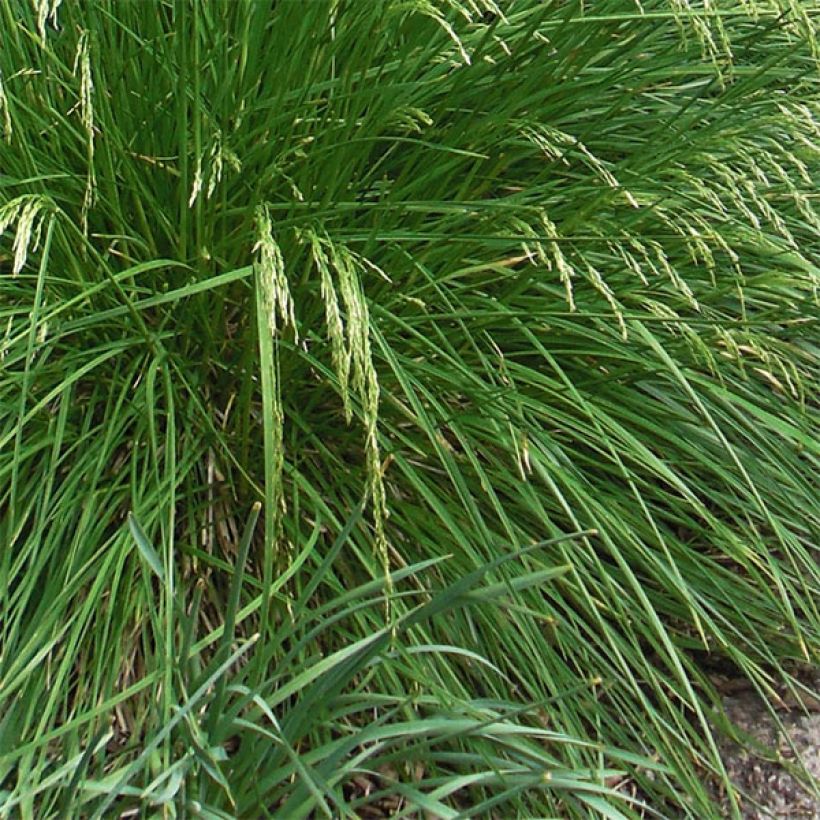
(404, 405)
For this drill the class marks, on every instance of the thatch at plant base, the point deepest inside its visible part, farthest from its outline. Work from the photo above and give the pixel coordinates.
(507, 317)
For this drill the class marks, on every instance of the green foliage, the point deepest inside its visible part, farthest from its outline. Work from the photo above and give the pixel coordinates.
(506, 315)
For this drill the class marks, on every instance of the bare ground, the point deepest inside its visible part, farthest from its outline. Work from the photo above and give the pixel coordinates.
(770, 787)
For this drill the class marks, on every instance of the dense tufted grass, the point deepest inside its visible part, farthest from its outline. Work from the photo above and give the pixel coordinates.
(405, 406)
